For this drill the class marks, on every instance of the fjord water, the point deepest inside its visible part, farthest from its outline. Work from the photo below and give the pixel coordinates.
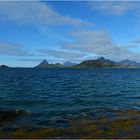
(50, 97)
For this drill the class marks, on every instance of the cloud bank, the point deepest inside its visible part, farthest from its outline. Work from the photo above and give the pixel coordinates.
(10, 48)
(35, 13)
(86, 43)
(117, 8)
(98, 42)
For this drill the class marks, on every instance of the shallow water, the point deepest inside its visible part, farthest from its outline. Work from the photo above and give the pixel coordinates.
(52, 97)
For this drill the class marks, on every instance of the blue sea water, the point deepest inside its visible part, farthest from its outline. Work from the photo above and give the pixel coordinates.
(50, 97)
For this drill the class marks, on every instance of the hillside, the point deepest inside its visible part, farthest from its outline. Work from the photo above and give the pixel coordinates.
(45, 64)
(100, 62)
(130, 63)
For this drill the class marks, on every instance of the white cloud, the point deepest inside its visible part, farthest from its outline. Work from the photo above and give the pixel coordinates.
(136, 41)
(34, 13)
(92, 41)
(9, 48)
(99, 43)
(63, 54)
(117, 8)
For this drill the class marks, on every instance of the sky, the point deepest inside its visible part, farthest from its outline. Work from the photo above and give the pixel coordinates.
(60, 31)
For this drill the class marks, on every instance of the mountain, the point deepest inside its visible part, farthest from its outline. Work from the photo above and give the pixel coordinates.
(4, 66)
(100, 62)
(128, 62)
(45, 64)
(69, 64)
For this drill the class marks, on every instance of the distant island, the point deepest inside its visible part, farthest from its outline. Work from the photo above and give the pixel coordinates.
(4, 66)
(45, 64)
(100, 62)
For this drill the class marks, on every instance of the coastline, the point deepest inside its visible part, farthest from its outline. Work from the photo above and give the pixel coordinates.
(125, 125)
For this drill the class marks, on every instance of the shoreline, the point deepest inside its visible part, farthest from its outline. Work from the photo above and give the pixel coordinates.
(126, 125)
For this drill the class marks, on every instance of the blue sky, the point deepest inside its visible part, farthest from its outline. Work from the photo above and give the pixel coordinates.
(57, 31)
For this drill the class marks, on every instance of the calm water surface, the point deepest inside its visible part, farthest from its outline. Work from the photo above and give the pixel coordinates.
(49, 97)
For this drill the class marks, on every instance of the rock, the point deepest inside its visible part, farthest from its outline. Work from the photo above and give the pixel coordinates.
(7, 115)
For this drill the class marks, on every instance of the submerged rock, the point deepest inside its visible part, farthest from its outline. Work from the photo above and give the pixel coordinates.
(102, 128)
(7, 115)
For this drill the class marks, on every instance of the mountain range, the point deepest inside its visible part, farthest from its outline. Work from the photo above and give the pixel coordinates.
(45, 64)
(128, 62)
(69, 64)
(100, 62)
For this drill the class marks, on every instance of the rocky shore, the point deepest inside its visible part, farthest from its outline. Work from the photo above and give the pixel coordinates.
(125, 125)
